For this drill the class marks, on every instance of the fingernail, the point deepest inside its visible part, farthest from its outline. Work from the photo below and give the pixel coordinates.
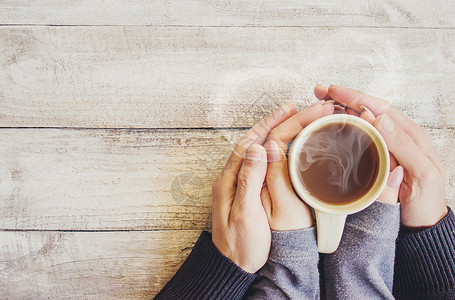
(366, 114)
(366, 109)
(321, 85)
(395, 178)
(329, 101)
(319, 102)
(254, 153)
(273, 151)
(387, 123)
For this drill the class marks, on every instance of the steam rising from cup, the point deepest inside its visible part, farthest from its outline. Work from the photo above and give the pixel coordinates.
(340, 153)
(337, 153)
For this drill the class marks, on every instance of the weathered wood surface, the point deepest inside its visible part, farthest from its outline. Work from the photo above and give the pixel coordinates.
(139, 198)
(63, 179)
(108, 179)
(186, 77)
(90, 265)
(372, 13)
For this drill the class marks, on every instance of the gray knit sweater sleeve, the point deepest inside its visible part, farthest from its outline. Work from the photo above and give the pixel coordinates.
(291, 271)
(362, 266)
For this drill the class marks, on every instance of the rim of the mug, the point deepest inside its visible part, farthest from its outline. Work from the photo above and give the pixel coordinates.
(365, 200)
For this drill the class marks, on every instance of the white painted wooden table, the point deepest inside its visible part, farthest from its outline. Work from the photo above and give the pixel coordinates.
(115, 117)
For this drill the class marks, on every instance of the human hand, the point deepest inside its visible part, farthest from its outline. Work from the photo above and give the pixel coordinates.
(422, 191)
(240, 229)
(284, 208)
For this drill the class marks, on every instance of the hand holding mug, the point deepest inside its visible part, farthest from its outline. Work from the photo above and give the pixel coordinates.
(422, 192)
(240, 228)
(284, 208)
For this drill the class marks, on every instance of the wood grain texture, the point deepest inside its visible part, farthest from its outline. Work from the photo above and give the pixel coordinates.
(138, 198)
(109, 179)
(186, 77)
(62, 179)
(94, 265)
(390, 13)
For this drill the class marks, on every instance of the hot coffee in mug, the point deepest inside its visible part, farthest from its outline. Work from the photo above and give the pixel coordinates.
(338, 165)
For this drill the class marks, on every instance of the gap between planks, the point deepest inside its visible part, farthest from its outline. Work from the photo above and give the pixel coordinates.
(233, 26)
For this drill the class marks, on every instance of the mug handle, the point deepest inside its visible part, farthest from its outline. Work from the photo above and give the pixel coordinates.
(329, 229)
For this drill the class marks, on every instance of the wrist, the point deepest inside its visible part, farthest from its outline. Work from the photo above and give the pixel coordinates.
(417, 228)
(294, 217)
(224, 249)
(248, 255)
(291, 226)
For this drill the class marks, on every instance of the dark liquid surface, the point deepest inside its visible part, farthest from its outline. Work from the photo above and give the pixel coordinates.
(338, 163)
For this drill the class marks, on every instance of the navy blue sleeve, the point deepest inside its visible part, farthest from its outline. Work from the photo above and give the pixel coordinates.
(207, 274)
(425, 262)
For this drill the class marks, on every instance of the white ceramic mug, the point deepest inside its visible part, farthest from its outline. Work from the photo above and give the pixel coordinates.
(331, 217)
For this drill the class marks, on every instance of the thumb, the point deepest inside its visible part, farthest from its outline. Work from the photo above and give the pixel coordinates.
(390, 192)
(287, 211)
(251, 178)
(277, 178)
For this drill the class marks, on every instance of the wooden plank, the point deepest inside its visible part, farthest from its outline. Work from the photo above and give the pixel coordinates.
(402, 13)
(186, 77)
(89, 265)
(108, 179)
(66, 179)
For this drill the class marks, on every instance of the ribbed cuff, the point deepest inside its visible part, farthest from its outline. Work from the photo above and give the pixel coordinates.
(294, 244)
(425, 261)
(381, 220)
(207, 274)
